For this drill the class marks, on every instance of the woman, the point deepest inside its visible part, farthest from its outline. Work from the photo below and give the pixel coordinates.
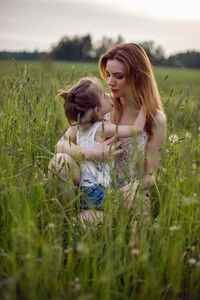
(128, 72)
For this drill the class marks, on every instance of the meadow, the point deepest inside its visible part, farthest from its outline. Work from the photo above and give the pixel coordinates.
(45, 251)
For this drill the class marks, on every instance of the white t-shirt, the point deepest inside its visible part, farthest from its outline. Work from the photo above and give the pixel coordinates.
(92, 172)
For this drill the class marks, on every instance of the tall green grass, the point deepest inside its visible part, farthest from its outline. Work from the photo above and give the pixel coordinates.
(45, 251)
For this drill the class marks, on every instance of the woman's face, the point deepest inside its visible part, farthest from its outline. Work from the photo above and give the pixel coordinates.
(117, 78)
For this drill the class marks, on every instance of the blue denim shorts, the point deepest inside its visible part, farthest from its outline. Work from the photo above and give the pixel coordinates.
(92, 196)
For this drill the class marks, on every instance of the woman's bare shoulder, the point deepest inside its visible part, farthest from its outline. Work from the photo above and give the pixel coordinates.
(160, 116)
(157, 140)
(160, 119)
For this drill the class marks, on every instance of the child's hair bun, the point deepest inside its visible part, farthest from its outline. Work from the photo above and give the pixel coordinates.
(63, 94)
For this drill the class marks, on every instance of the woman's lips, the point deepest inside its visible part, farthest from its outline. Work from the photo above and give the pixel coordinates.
(114, 91)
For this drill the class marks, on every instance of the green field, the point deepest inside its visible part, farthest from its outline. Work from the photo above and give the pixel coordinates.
(45, 252)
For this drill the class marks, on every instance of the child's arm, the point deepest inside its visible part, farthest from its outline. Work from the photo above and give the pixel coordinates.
(109, 130)
(67, 145)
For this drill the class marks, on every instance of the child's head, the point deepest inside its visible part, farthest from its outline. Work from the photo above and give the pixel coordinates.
(85, 102)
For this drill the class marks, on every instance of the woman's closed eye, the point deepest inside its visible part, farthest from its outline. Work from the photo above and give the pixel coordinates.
(117, 76)
(120, 76)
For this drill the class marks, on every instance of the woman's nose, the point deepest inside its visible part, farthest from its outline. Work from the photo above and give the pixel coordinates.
(110, 81)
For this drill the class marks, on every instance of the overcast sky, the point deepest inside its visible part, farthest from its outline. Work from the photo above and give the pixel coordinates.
(31, 24)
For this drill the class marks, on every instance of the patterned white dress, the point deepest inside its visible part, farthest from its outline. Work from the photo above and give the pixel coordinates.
(129, 165)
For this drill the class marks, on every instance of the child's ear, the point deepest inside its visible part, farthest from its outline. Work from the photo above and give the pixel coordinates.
(97, 112)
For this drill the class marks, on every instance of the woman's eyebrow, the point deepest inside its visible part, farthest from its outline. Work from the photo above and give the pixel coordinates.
(116, 73)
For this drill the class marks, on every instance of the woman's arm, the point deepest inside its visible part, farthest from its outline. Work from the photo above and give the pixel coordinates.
(153, 150)
(67, 145)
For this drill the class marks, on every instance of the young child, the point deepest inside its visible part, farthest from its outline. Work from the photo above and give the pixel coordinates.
(85, 106)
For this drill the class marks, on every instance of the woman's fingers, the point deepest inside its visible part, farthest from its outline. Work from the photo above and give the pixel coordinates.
(108, 149)
(116, 152)
(113, 149)
(109, 141)
(113, 141)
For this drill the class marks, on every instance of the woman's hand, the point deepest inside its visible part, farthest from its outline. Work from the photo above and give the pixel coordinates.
(106, 150)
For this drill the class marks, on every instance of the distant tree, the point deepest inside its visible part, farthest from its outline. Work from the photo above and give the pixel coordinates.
(172, 61)
(22, 55)
(77, 48)
(189, 59)
(106, 43)
(156, 54)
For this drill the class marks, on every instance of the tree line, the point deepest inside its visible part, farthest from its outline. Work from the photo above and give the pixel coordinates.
(82, 48)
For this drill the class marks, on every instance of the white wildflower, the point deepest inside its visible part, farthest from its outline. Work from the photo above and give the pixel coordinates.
(81, 248)
(188, 135)
(190, 249)
(194, 166)
(67, 250)
(174, 228)
(135, 252)
(155, 225)
(76, 287)
(192, 262)
(189, 200)
(51, 226)
(173, 138)
(76, 284)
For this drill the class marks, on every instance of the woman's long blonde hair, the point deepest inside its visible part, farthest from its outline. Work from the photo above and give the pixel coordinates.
(140, 78)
